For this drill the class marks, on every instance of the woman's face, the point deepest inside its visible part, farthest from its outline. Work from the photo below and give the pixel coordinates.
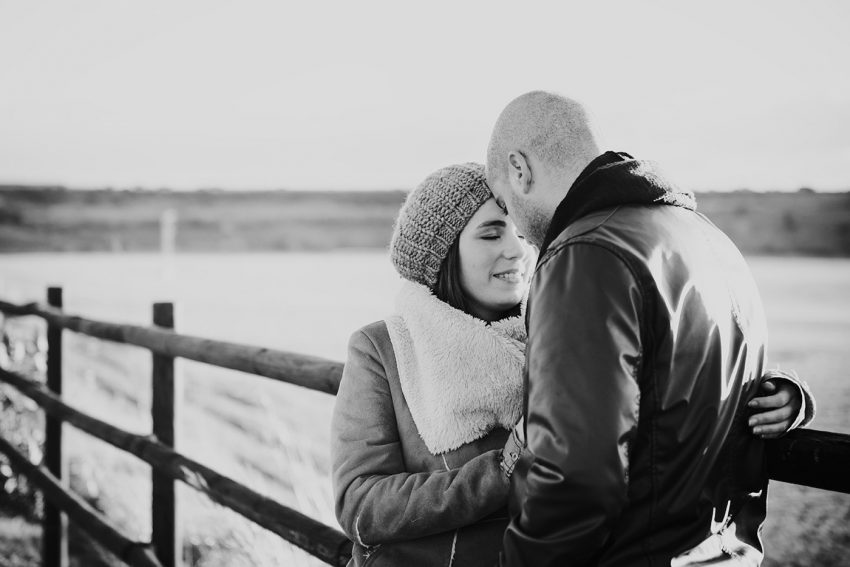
(495, 262)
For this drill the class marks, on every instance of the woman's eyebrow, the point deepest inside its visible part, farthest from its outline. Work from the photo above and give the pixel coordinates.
(495, 222)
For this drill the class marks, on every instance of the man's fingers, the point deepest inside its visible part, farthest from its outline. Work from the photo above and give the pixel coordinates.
(781, 415)
(779, 399)
(771, 431)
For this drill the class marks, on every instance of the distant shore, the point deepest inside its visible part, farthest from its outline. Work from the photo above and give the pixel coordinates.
(56, 219)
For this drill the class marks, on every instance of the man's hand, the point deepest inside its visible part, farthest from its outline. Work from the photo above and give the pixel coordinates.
(512, 450)
(777, 406)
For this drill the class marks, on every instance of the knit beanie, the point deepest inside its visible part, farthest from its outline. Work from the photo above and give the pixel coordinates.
(432, 217)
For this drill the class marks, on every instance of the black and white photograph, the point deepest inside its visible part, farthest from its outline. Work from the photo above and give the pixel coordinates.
(440, 284)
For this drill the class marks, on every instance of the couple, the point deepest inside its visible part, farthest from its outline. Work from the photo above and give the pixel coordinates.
(637, 364)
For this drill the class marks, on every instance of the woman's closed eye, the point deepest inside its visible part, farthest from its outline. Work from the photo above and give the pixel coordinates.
(497, 236)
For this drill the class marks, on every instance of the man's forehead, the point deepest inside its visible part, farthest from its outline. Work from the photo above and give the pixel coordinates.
(501, 203)
(493, 184)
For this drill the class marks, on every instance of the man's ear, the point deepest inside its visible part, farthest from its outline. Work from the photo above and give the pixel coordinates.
(519, 172)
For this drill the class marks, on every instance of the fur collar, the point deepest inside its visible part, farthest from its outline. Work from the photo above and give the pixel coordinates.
(461, 377)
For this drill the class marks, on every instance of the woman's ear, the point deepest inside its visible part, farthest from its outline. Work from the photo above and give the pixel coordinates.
(519, 172)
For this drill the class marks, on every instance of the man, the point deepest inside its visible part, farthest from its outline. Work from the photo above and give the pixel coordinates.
(646, 341)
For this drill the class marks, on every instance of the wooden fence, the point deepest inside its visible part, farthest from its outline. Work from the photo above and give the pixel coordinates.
(807, 457)
(328, 544)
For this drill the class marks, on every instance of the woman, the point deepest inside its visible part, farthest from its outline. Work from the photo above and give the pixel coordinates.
(429, 395)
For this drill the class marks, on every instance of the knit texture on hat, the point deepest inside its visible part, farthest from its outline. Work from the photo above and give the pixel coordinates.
(432, 217)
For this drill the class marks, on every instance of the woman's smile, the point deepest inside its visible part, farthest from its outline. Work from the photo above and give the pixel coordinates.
(513, 276)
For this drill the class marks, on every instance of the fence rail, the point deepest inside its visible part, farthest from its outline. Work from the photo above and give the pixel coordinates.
(807, 457)
(300, 369)
(314, 537)
(167, 465)
(820, 459)
(134, 553)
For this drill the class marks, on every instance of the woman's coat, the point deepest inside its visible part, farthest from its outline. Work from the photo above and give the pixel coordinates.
(401, 501)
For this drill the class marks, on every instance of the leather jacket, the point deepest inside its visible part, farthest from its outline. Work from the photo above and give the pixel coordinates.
(647, 339)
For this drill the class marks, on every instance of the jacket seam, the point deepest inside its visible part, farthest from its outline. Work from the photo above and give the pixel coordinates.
(379, 357)
(359, 512)
(733, 299)
(617, 253)
(357, 531)
(454, 544)
(557, 244)
(638, 367)
(369, 549)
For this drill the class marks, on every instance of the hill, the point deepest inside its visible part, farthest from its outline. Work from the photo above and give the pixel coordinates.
(54, 219)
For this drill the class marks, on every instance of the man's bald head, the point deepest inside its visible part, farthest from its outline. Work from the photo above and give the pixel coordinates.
(540, 145)
(550, 127)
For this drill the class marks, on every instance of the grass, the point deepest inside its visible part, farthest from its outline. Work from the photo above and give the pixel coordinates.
(20, 541)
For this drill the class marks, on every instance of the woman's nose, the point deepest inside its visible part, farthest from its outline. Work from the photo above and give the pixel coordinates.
(514, 247)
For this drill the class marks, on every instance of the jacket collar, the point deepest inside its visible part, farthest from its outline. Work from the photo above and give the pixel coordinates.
(610, 180)
(460, 376)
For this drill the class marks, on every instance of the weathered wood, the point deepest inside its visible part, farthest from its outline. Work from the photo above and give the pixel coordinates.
(166, 533)
(14, 309)
(324, 542)
(820, 459)
(300, 369)
(132, 553)
(54, 539)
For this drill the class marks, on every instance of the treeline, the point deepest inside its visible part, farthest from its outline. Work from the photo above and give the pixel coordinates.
(35, 219)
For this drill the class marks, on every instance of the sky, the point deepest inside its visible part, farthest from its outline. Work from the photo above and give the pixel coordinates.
(376, 95)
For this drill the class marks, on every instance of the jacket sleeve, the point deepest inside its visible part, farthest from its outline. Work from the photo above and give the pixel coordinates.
(583, 359)
(807, 408)
(377, 501)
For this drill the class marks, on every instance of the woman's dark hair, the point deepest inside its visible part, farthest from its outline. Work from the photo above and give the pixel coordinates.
(449, 289)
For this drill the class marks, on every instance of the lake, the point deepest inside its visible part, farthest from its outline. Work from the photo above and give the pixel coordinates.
(273, 436)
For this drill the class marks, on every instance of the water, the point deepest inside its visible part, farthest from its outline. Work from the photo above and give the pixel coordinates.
(274, 437)
(308, 302)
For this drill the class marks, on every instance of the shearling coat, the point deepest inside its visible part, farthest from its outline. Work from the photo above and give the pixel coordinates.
(399, 501)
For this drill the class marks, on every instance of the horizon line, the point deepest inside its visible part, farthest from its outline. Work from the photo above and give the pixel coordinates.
(7, 186)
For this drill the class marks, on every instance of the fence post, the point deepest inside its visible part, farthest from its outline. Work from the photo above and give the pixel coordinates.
(55, 523)
(167, 391)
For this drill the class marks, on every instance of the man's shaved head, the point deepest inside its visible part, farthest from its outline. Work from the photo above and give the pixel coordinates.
(540, 144)
(553, 128)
